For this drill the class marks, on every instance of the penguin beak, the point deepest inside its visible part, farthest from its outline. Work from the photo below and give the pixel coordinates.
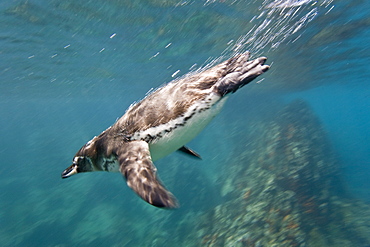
(69, 171)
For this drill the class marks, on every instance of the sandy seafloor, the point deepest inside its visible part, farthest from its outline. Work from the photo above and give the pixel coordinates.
(286, 163)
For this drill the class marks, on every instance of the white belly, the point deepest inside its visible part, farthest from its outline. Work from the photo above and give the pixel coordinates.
(181, 135)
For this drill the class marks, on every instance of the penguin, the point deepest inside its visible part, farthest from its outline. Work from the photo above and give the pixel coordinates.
(163, 122)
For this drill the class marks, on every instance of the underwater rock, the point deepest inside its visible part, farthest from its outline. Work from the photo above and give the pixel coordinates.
(337, 33)
(28, 12)
(287, 191)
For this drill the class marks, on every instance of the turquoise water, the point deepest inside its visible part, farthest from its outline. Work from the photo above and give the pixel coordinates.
(69, 69)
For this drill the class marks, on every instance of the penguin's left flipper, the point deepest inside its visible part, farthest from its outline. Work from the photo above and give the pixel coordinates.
(137, 167)
(190, 152)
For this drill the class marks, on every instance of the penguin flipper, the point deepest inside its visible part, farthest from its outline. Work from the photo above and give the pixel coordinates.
(188, 151)
(137, 167)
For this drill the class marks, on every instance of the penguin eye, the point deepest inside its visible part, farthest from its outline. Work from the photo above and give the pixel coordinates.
(77, 159)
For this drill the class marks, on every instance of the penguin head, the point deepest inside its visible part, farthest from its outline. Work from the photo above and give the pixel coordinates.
(80, 164)
(83, 161)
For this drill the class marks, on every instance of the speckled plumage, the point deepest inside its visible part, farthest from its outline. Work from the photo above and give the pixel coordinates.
(162, 123)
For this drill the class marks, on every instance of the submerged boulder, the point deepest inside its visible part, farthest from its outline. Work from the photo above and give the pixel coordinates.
(284, 189)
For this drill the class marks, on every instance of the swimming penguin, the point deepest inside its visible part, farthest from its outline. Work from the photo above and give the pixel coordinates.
(162, 123)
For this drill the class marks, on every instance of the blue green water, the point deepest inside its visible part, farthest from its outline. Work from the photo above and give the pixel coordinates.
(69, 69)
